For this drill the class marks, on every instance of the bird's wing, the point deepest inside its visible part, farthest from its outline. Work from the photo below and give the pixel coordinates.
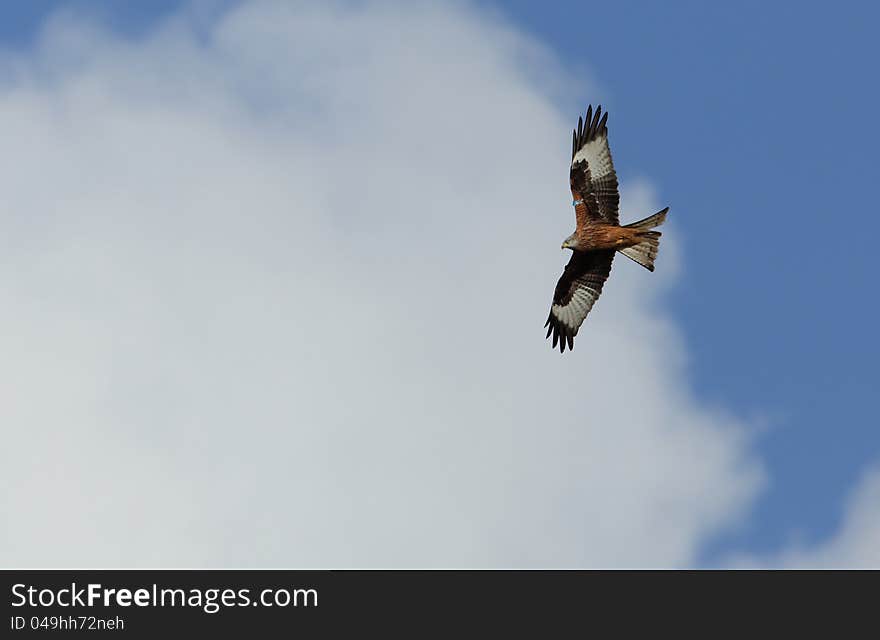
(577, 290)
(592, 176)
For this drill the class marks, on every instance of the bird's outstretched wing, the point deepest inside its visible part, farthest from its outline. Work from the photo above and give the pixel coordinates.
(577, 290)
(592, 176)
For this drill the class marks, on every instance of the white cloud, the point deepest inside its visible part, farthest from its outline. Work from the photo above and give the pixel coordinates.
(273, 289)
(853, 545)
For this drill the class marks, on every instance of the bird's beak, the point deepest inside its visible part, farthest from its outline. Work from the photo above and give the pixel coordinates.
(564, 245)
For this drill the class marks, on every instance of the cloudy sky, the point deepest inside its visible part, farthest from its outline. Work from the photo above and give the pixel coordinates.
(274, 276)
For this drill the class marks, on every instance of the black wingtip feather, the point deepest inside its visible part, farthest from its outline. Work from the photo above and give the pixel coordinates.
(563, 336)
(594, 124)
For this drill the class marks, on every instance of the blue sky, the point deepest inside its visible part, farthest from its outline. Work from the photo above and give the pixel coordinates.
(757, 121)
(757, 124)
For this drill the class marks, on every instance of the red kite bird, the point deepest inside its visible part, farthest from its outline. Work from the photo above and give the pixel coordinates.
(598, 234)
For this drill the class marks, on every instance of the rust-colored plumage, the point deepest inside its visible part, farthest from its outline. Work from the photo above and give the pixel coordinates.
(598, 234)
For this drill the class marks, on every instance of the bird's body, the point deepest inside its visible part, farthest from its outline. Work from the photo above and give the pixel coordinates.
(599, 233)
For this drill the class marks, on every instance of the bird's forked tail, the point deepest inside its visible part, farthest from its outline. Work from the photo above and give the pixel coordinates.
(646, 250)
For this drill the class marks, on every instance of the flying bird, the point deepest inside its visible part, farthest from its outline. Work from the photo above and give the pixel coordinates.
(598, 234)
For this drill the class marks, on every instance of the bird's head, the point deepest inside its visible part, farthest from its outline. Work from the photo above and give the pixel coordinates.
(570, 242)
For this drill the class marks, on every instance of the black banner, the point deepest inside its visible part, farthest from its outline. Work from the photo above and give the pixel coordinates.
(147, 603)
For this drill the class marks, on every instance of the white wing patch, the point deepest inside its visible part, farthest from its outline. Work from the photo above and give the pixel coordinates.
(597, 155)
(573, 313)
